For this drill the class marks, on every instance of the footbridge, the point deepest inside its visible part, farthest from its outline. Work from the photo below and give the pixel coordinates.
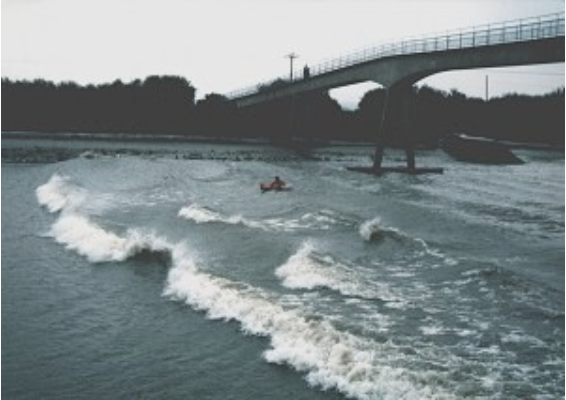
(398, 65)
(534, 40)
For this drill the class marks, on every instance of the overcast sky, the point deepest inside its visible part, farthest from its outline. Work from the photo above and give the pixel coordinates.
(220, 46)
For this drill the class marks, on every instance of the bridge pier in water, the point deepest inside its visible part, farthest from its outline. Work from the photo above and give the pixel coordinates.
(394, 122)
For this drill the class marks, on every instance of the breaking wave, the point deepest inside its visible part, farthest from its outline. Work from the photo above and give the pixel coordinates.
(375, 231)
(309, 269)
(59, 193)
(330, 358)
(78, 233)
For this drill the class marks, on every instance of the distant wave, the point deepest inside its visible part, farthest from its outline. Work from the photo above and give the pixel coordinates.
(202, 215)
(330, 358)
(374, 230)
(323, 219)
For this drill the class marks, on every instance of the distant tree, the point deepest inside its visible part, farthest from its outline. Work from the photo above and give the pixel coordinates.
(216, 115)
(434, 114)
(524, 118)
(159, 104)
(319, 116)
(166, 104)
(169, 102)
(369, 114)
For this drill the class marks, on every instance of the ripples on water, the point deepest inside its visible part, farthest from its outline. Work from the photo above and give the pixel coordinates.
(447, 286)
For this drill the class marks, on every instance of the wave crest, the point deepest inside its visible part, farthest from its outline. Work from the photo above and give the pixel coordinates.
(80, 234)
(308, 269)
(303, 271)
(58, 193)
(375, 230)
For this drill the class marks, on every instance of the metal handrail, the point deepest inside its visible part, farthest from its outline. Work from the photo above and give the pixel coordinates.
(522, 30)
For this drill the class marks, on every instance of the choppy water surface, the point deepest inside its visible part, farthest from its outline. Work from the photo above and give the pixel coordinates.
(164, 277)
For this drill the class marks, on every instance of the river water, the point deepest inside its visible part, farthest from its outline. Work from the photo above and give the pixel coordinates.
(165, 273)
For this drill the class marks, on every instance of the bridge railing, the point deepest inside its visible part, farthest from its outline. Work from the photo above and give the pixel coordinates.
(523, 30)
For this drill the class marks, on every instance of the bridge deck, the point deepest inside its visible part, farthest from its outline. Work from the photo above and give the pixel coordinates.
(359, 65)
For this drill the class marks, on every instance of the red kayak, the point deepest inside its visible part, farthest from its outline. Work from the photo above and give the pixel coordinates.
(267, 187)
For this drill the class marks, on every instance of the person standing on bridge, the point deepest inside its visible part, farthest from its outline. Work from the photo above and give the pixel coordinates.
(306, 72)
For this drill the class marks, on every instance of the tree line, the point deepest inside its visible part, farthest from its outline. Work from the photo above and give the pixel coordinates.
(167, 105)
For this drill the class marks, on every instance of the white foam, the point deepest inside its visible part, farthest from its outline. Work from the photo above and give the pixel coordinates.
(79, 234)
(203, 215)
(518, 337)
(308, 269)
(303, 271)
(435, 329)
(58, 193)
(330, 358)
(324, 219)
(319, 220)
(200, 214)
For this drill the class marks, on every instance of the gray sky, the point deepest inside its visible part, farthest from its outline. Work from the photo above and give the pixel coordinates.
(220, 46)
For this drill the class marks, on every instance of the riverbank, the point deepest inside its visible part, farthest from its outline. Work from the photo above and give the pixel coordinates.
(37, 147)
(42, 147)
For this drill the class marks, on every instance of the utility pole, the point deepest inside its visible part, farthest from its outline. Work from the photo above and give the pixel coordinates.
(291, 57)
(486, 88)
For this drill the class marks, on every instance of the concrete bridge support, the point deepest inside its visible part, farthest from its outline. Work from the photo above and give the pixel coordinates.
(395, 122)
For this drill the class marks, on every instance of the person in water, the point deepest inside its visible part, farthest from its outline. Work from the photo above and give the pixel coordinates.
(277, 184)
